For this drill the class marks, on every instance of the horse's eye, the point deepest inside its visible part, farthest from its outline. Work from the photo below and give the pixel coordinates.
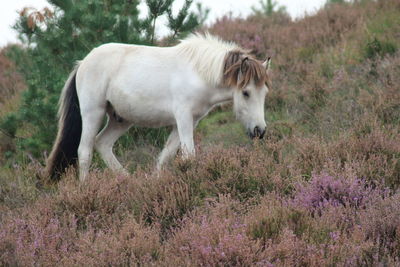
(246, 94)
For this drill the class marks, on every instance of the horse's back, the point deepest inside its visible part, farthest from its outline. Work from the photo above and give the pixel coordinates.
(124, 62)
(106, 58)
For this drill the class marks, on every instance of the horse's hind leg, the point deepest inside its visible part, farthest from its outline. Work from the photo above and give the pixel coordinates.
(105, 140)
(91, 122)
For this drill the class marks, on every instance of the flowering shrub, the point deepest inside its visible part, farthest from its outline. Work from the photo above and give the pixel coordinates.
(381, 223)
(218, 239)
(36, 239)
(326, 190)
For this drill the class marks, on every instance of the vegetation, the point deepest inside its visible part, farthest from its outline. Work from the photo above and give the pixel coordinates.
(268, 8)
(321, 190)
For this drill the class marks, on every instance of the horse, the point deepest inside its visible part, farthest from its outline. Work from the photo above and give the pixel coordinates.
(151, 86)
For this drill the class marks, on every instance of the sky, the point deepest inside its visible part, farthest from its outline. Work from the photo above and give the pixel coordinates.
(9, 11)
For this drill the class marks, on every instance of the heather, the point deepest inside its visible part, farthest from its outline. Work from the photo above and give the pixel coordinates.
(322, 188)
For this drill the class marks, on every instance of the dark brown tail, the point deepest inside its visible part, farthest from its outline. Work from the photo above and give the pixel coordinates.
(65, 148)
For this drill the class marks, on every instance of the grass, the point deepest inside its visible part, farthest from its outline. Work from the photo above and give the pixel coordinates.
(222, 127)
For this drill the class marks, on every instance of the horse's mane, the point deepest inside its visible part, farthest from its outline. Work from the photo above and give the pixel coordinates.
(241, 69)
(221, 63)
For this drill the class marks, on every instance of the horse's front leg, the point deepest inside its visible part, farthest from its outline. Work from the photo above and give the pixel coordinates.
(184, 123)
(170, 149)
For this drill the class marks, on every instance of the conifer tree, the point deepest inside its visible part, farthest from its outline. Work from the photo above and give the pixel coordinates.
(268, 8)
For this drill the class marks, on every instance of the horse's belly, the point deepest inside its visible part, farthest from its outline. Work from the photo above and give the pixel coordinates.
(153, 120)
(145, 113)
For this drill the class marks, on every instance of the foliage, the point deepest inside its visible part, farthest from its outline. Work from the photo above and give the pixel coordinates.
(202, 12)
(182, 22)
(376, 48)
(58, 37)
(330, 2)
(11, 81)
(268, 8)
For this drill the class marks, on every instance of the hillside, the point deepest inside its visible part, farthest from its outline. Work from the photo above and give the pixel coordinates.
(322, 189)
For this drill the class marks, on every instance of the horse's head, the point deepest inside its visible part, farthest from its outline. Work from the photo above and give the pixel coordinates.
(250, 81)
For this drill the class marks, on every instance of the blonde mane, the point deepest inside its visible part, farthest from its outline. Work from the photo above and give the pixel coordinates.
(220, 63)
(207, 54)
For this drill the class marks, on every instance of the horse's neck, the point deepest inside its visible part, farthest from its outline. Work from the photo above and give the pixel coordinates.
(221, 95)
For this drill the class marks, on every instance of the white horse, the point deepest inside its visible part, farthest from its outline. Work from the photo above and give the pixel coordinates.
(153, 87)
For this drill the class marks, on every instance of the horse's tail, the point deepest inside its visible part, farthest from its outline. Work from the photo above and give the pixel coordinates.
(65, 148)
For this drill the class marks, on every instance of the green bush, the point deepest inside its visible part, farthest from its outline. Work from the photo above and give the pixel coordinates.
(377, 48)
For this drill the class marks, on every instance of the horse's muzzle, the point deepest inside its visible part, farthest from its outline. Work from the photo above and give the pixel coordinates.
(257, 132)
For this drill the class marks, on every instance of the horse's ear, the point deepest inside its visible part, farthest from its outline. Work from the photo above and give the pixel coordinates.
(243, 66)
(267, 64)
